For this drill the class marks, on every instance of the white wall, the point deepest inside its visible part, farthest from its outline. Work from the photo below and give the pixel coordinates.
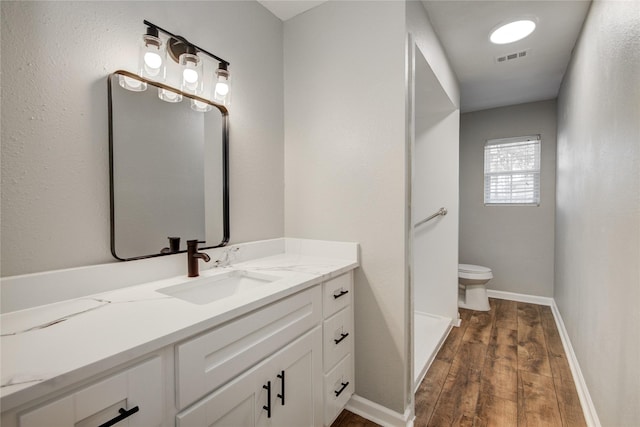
(516, 242)
(434, 185)
(597, 286)
(55, 175)
(436, 242)
(345, 167)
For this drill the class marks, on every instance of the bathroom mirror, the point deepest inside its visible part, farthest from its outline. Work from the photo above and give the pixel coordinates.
(168, 170)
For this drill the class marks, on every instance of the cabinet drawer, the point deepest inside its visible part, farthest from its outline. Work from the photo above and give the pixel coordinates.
(337, 294)
(338, 337)
(141, 386)
(210, 360)
(338, 388)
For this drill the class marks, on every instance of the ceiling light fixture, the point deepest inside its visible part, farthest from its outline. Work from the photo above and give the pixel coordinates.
(512, 32)
(190, 57)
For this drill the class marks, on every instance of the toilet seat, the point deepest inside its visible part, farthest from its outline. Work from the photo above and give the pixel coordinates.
(470, 268)
(475, 272)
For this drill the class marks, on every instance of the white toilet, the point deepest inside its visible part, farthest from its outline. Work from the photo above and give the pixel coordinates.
(472, 287)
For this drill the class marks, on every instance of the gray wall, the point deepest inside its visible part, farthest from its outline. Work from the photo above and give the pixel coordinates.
(516, 242)
(345, 167)
(597, 287)
(55, 176)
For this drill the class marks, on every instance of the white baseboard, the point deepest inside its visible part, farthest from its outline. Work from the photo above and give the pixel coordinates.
(589, 410)
(379, 414)
(512, 296)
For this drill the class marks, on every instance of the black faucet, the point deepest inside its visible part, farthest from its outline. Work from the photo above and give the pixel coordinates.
(192, 257)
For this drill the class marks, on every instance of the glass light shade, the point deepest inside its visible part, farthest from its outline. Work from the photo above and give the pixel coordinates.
(169, 96)
(222, 90)
(152, 61)
(512, 32)
(200, 106)
(152, 58)
(133, 85)
(191, 73)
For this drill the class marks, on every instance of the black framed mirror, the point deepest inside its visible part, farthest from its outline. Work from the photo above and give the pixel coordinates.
(168, 169)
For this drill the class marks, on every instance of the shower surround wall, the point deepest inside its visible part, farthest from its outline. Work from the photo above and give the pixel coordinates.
(516, 242)
(55, 172)
(597, 286)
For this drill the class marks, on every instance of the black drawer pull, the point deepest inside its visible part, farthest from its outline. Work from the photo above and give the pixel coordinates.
(123, 414)
(342, 336)
(267, 407)
(344, 385)
(343, 292)
(281, 396)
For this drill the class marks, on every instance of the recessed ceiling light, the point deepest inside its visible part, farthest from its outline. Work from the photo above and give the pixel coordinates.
(512, 32)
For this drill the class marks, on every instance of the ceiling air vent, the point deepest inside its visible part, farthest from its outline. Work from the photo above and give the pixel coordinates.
(512, 56)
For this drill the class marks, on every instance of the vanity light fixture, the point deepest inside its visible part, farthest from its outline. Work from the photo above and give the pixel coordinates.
(190, 59)
(191, 71)
(222, 91)
(153, 56)
(152, 62)
(512, 32)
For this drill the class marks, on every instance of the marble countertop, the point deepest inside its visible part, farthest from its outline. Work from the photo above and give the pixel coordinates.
(49, 347)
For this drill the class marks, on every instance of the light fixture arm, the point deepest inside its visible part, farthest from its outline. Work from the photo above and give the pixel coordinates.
(185, 41)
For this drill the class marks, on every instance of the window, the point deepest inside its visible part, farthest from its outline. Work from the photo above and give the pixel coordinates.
(512, 171)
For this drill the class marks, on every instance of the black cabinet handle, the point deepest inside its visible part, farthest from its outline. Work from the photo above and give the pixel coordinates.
(123, 414)
(342, 336)
(344, 385)
(281, 396)
(267, 407)
(343, 292)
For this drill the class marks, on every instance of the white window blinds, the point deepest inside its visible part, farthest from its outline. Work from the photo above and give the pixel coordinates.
(512, 171)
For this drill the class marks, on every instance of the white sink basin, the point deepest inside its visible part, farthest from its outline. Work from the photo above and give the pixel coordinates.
(203, 290)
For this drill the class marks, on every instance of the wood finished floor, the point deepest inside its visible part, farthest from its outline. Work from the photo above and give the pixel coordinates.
(505, 367)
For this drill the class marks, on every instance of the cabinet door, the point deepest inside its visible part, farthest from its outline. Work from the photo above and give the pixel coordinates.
(297, 391)
(233, 405)
(139, 387)
(244, 402)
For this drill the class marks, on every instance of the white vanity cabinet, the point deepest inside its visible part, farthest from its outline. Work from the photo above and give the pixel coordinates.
(277, 361)
(338, 345)
(135, 396)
